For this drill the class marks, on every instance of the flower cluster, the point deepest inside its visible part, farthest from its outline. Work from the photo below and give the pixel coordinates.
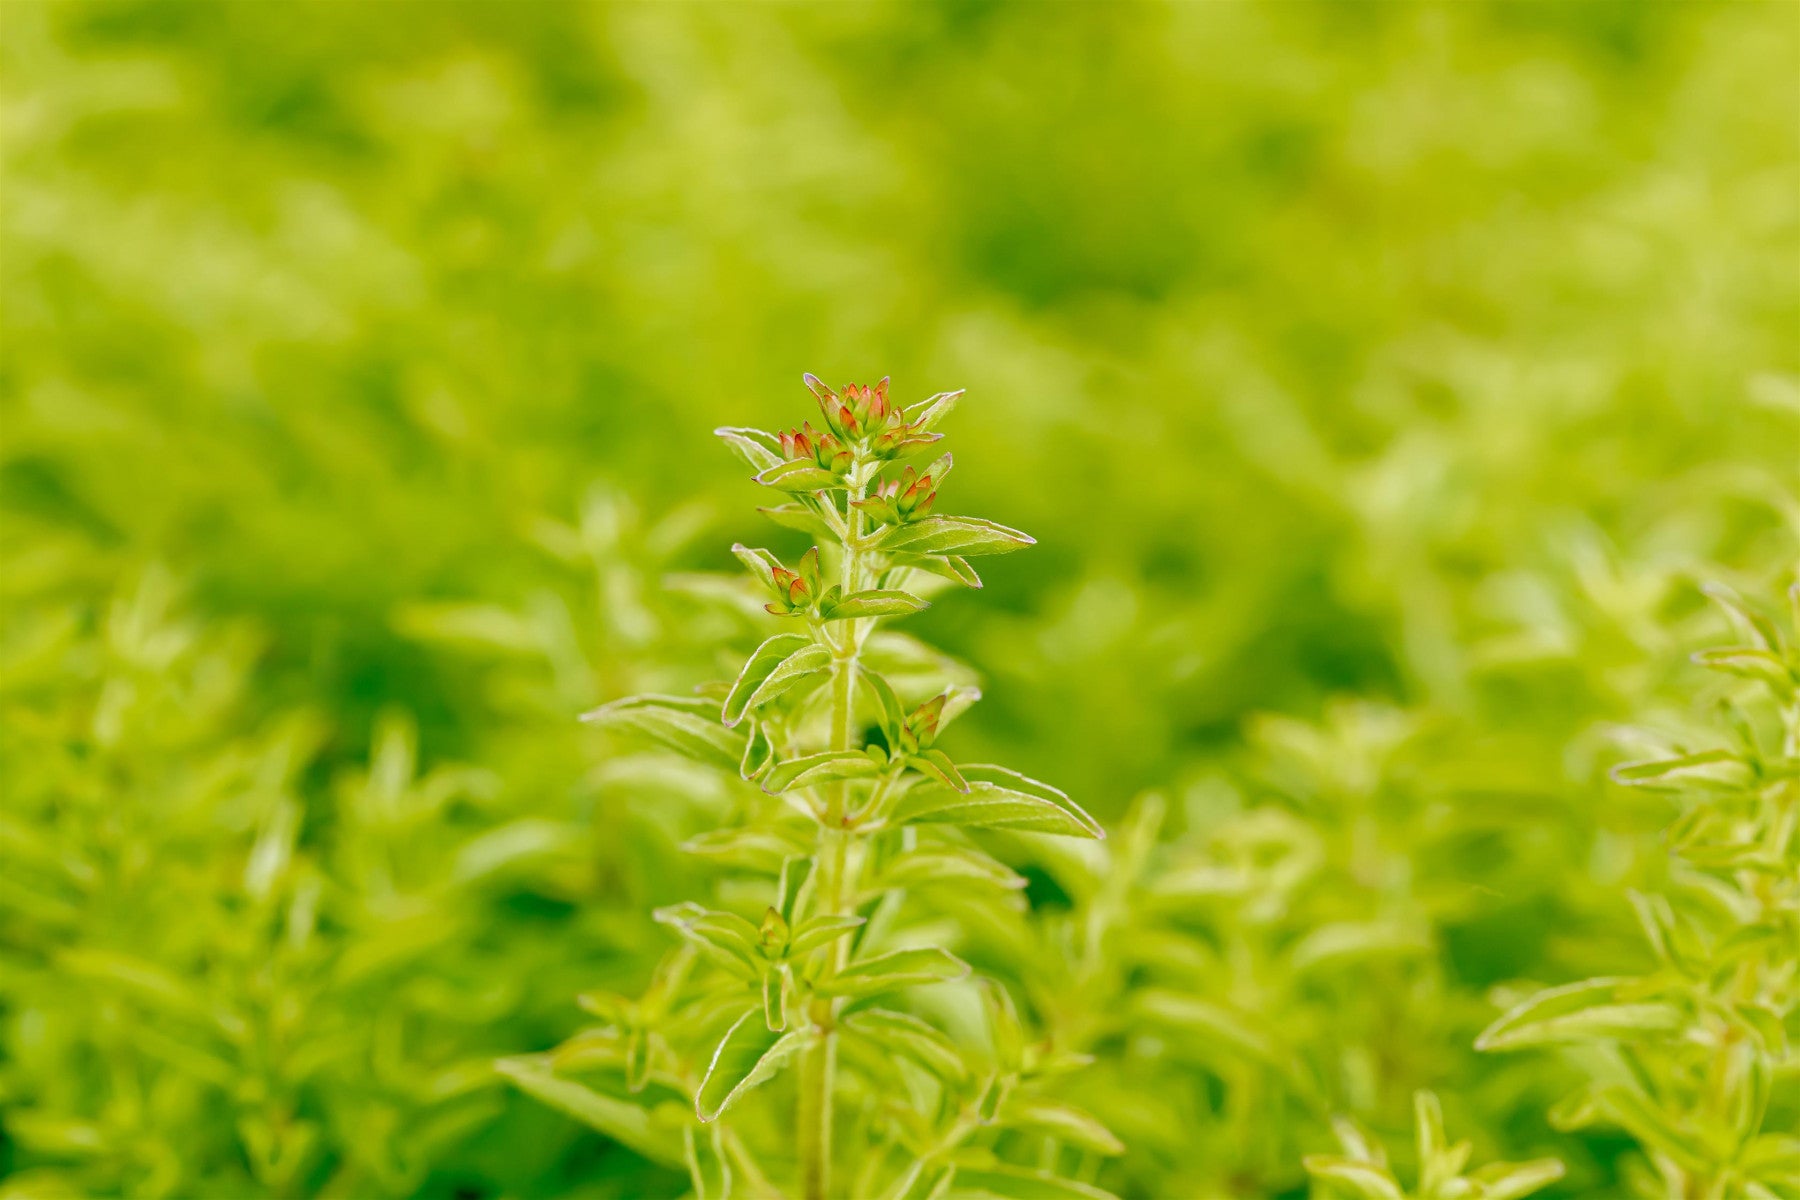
(795, 591)
(808, 445)
(864, 416)
(903, 500)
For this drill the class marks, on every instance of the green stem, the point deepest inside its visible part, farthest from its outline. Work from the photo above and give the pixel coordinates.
(832, 866)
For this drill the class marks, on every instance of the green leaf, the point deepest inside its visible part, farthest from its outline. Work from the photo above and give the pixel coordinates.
(1218, 1027)
(749, 1054)
(760, 563)
(1577, 1012)
(1366, 1181)
(953, 567)
(1761, 665)
(759, 450)
(801, 517)
(820, 768)
(997, 799)
(802, 669)
(1061, 1121)
(938, 765)
(708, 1168)
(620, 1120)
(1719, 767)
(764, 659)
(729, 939)
(944, 865)
(751, 847)
(926, 415)
(953, 535)
(1017, 1183)
(1509, 1181)
(1761, 630)
(688, 727)
(902, 1033)
(883, 603)
(800, 476)
(901, 968)
(816, 931)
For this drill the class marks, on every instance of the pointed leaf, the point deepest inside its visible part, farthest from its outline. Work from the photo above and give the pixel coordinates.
(901, 968)
(816, 931)
(764, 659)
(800, 476)
(1577, 1012)
(887, 603)
(749, 1054)
(903, 1033)
(1061, 1121)
(1362, 1180)
(928, 414)
(1509, 1181)
(820, 768)
(620, 1120)
(690, 728)
(801, 670)
(998, 799)
(953, 535)
(707, 1165)
(1017, 1183)
(759, 450)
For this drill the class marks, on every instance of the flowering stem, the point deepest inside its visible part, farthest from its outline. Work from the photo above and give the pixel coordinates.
(832, 866)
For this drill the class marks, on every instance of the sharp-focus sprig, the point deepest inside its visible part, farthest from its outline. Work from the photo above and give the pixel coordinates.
(855, 806)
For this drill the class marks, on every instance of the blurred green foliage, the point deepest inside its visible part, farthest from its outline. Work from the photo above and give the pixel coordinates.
(1377, 379)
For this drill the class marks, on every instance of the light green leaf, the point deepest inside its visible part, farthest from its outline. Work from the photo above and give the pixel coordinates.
(901, 968)
(708, 1168)
(1004, 1182)
(728, 939)
(620, 1120)
(1577, 1012)
(902, 1033)
(1509, 1181)
(804, 668)
(690, 727)
(759, 450)
(997, 799)
(752, 847)
(953, 535)
(927, 415)
(820, 768)
(801, 517)
(1062, 1121)
(762, 661)
(800, 476)
(816, 931)
(1716, 767)
(945, 865)
(882, 603)
(1365, 1181)
(749, 1054)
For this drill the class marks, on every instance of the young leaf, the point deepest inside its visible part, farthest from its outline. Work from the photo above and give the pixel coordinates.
(928, 414)
(902, 1033)
(954, 535)
(953, 567)
(1061, 1121)
(954, 865)
(762, 564)
(800, 669)
(901, 968)
(764, 659)
(1707, 766)
(729, 939)
(1018, 1183)
(1509, 1181)
(937, 764)
(620, 1120)
(750, 847)
(676, 723)
(1576, 1012)
(872, 604)
(816, 931)
(707, 1165)
(759, 450)
(800, 476)
(820, 768)
(802, 518)
(749, 1053)
(1365, 1181)
(998, 799)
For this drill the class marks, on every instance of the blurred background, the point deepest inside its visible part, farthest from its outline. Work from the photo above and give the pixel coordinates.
(1361, 368)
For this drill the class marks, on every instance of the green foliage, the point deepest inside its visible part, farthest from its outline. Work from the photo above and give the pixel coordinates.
(856, 808)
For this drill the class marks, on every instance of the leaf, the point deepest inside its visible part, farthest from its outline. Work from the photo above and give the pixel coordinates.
(729, 939)
(938, 765)
(800, 476)
(1218, 1026)
(997, 799)
(707, 1165)
(759, 450)
(1509, 1181)
(953, 567)
(1017, 1183)
(802, 518)
(1761, 630)
(1707, 766)
(1576, 1012)
(797, 671)
(620, 1120)
(756, 848)
(760, 563)
(880, 603)
(1061, 1121)
(688, 727)
(759, 753)
(901, 968)
(953, 535)
(1750, 664)
(749, 1054)
(764, 659)
(1363, 1180)
(897, 1032)
(945, 865)
(926, 415)
(820, 768)
(816, 931)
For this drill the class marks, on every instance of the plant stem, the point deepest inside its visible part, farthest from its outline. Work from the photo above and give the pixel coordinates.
(832, 864)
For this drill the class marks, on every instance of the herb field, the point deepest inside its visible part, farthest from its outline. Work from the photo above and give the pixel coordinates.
(931, 601)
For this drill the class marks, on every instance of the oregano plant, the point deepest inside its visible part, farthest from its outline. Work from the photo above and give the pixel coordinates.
(1695, 1057)
(852, 809)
